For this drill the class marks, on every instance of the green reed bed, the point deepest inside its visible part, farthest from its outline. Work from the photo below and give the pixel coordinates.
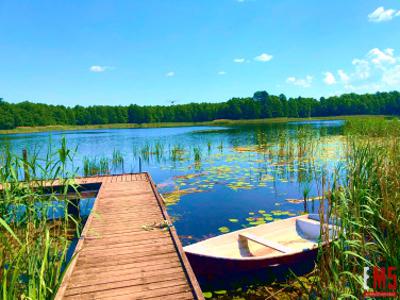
(373, 127)
(33, 250)
(367, 201)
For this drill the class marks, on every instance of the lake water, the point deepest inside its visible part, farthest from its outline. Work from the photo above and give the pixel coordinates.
(214, 179)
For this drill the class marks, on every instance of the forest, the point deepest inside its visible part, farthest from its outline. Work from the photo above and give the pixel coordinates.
(260, 106)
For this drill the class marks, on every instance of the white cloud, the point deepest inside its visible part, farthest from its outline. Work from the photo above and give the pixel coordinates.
(239, 60)
(391, 77)
(303, 82)
(221, 73)
(263, 57)
(378, 70)
(379, 57)
(343, 76)
(170, 74)
(382, 15)
(98, 69)
(329, 78)
(362, 68)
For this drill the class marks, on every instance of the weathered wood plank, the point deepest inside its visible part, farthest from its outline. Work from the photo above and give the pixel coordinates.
(117, 259)
(135, 292)
(144, 283)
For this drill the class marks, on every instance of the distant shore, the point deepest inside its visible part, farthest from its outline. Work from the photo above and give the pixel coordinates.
(222, 122)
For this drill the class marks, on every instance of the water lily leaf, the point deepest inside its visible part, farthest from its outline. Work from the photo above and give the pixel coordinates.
(259, 221)
(224, 229)
(233, 220)
(207, 295)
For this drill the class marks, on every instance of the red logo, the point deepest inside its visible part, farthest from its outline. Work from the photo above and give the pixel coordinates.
(384, 282)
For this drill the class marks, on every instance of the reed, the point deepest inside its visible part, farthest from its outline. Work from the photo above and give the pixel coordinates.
(146, 151)
(117, 161)
(33, 250)
(177, 153)
(94, 166)
(373, 127)
(367, 201)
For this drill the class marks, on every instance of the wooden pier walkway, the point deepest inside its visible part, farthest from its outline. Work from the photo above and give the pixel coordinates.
(116, 258)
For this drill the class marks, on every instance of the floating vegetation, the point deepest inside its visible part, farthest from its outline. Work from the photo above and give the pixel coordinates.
(173, 197)
(224, 229)
(247, 167)
(261, 217)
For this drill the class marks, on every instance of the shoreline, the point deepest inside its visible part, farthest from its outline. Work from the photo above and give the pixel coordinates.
(222, 122)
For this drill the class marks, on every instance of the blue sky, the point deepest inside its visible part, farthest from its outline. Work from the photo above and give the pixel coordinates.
(156, 51)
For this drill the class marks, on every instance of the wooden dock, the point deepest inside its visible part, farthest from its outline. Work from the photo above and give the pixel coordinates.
(116, 258)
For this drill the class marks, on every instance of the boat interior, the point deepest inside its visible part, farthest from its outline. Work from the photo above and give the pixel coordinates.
(283, 237)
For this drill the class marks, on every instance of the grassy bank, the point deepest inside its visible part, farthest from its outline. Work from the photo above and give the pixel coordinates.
(222, 122)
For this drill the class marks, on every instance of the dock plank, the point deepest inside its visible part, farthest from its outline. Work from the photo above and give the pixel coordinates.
(124, 253)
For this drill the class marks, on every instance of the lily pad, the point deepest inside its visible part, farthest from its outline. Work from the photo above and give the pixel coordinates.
(233, 220)
(223, 229)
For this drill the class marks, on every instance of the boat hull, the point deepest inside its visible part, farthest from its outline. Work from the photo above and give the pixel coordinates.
(211, 267)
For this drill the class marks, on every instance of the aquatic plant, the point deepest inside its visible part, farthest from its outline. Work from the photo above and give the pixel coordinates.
(367, 202)
(177, 153)
(158, 150)
(117, 161)
(145, 151)
(209, 147)
(197, 154)
(33, 250)
(373, 127)
(94, 166)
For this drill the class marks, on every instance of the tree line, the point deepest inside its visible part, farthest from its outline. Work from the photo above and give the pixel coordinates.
(261, 105)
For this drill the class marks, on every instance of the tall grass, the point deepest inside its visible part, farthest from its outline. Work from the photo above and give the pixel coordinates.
(373, 127)
(367, 201)
(33, 250)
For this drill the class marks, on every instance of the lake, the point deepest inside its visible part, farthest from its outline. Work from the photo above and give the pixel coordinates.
(213, 179)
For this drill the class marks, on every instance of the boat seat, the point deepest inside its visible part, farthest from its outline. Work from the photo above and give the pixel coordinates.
(311, 228)
(265, 242)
